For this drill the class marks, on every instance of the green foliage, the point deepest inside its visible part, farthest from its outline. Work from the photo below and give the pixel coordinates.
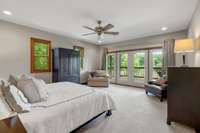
(123, 60)
(41, 63)
(157, 60)
(157, 65)
(110, 61)
(110, 65)
(40, 49)
(138, 64)
(139, 60)
(81, 51)
(41, 56)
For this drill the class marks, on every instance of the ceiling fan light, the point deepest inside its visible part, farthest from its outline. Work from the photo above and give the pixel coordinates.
(99, 39)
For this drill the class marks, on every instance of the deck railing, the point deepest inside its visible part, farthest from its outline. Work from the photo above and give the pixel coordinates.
(138, 72)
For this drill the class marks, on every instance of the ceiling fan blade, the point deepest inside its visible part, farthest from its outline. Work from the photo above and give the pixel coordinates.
(112, 33)
(89, 28)
(108, 26)
(88, 34)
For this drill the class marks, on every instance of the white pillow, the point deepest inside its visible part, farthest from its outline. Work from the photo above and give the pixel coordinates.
(41, 86)
(26, 76)
(15, 98)
(33, 89)
(29, 89)
(13, 79)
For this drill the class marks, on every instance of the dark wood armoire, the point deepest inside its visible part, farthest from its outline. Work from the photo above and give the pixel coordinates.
(66, 65)
(184, 96)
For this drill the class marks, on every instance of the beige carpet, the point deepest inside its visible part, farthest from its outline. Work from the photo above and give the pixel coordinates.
(136, 113)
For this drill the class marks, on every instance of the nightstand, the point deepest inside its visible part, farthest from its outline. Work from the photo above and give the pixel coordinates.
(11, 124)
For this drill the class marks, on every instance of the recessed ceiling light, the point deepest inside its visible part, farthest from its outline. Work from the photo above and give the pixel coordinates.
(7, 12)
(164, 28)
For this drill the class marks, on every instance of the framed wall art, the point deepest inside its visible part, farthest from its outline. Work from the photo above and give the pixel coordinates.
(40, 55)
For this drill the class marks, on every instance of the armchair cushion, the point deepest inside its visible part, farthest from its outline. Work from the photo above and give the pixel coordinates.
(98, 78)
(159, 82)
(100, 73)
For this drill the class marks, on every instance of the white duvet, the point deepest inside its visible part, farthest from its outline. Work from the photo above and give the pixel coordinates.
(69, 105)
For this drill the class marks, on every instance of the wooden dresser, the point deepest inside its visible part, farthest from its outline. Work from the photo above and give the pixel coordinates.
(184, 96)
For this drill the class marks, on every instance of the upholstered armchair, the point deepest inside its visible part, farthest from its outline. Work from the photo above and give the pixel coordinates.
(99, 78)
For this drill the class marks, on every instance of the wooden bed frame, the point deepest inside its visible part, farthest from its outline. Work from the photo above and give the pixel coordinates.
(14, 125)
(108, 113)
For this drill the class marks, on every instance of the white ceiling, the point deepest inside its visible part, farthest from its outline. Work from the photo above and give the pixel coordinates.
(132, 18)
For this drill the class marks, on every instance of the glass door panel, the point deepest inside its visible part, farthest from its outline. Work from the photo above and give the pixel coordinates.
(111, 65)
(156, 62)
(139, 66)
(123, 66)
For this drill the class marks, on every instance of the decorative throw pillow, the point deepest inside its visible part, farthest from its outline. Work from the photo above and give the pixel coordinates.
(13, 79)
(26, 76)
(29, 89)
(15, 98)
(100, 73)
(159, 82)
(33, 89)
(41, 86)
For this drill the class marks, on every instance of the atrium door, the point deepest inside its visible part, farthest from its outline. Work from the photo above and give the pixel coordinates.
(132, 68)
(135, 67)
(111, 66)
(155, 63)
(139, 67)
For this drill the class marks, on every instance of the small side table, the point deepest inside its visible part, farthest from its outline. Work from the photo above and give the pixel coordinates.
(11, 124)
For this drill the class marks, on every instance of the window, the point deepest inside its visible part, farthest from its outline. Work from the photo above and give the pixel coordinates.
(123, 65)
(157, 58)
(110, 65)
(138, 66)
(81, 50)
(40, 55)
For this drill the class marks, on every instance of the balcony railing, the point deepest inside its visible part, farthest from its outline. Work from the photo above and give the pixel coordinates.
(111, 72)
(156, 72)
(123, 71)
(138, 72)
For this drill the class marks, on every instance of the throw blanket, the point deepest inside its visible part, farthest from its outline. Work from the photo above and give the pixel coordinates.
(69, 106)
(63, 92)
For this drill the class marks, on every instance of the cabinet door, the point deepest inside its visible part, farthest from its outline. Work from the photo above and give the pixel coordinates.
(70, 66)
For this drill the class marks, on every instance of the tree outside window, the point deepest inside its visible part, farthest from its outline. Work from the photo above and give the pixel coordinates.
(110, 65)
(123, 65)
(138, 65)
(81, 50)
(157, 64)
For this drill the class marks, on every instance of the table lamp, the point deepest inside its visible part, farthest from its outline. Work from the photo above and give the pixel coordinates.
(183, 46)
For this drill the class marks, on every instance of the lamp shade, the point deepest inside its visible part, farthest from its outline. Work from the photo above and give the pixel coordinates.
(182, 46)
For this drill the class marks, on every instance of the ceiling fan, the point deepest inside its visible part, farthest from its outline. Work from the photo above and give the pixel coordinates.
(100, 30)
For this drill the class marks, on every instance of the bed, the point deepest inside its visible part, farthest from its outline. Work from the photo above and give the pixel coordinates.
(68, 107)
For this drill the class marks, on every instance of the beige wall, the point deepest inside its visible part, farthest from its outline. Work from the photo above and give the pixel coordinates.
(152, 41)
(15, 50)
(194, 32)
